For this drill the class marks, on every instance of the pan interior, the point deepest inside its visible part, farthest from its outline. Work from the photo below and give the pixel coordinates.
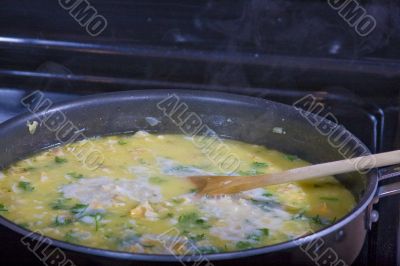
(240, 118)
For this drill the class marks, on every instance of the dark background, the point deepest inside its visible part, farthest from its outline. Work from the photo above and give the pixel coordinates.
(255, 43)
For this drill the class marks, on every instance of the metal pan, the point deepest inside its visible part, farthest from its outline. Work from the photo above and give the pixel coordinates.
(248, 119)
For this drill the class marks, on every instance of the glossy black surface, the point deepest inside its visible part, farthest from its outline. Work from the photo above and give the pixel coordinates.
(253, 43)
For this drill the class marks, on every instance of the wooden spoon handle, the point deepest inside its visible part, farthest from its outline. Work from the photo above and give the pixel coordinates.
(331, 168)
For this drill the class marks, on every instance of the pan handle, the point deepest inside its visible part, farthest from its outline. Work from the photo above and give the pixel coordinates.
(383, 191)
(389, 189)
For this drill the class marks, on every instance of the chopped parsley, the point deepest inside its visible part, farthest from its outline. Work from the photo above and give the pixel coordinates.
(58, 159)
(267, 194)
(75, 175)
(26, 186)
(70, 237)
(254, 237)
(256, 168)
(201, 222)
(122, 142)
(148, 245)
(207, 250)
(196, 237)
(61, 220)
(259, 164)
(243, 245)
(242, 173)
(192, 219)
(320, 220)
(168, 215)
(59, 204)
(79, 208)
(298, 216)
(291, 157)
(3, 208)
(142, 161)
(24, 225)
(257, 235)
(178, 200)
(316, 219)
(28, 168)
(264, 231)
(180, 168)
(97, 218)
(193, 190)
(251, 172)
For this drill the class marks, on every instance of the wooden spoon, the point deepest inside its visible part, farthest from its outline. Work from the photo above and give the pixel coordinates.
(218, 185)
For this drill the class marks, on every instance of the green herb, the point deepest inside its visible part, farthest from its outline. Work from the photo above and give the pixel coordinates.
(26, 186)
(97, 218)
(157, 180)
(193, 190)
(188, 218)
(256, 169)
(243, 245)
(3, 208)
(192, 219)
(24, 225)
(264, 231)
(60, 221)
(207, 250)
(197, 237)
(60, 204)
(259, 164)
(251, 172)
(200, 221)
(267, 194)
(181, 168)
(168, 215)
(254, 237)
(79, 208)
(178, 200)
(329, 198)
(75, 175)
(242, 173)
(70, 237)
(147, 245)
(316, 219)
(318, 185)
(320, 221)
(60, 159)
(298, 216)
(122, 142)
(291, 157)
(28, 168)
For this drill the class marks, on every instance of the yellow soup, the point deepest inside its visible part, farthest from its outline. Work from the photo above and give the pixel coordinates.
(139, 200)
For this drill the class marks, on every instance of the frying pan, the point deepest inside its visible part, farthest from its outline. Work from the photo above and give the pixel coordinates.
(243, 118)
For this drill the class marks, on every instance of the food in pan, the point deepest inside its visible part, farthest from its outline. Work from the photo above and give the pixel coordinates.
(139, 200)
